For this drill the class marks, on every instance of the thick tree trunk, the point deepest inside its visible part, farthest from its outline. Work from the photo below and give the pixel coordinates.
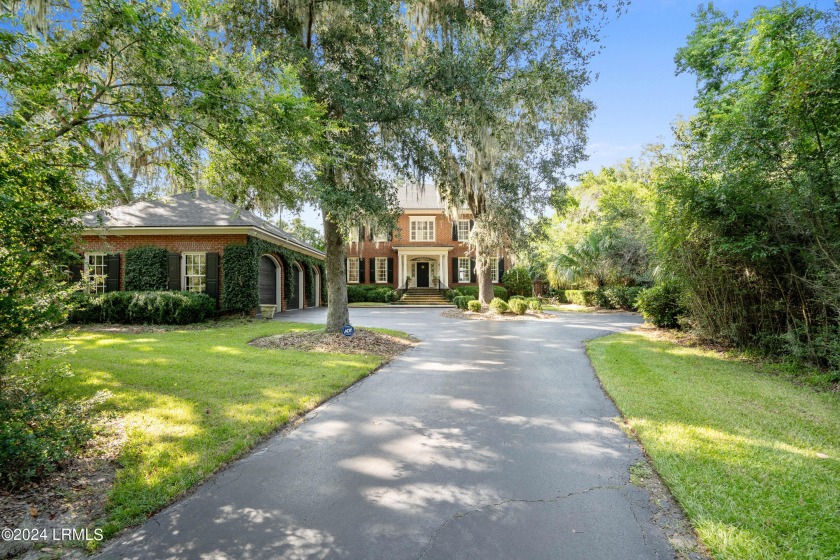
(483, 274)
(337, 313)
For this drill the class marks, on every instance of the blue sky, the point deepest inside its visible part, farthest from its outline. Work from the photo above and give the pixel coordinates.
(637, 95)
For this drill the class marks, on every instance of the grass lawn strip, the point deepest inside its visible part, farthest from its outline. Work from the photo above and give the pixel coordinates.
(192, 400)
(753, 459)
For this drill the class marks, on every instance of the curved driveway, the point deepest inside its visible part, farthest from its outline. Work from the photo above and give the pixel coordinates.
(490, 439)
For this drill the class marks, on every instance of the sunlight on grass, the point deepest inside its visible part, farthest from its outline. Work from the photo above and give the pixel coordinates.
(192, 400)
(752, 458)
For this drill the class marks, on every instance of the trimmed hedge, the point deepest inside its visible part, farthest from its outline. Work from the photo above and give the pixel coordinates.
(474, 305)
(380, 294)
(498, 292)
(580, 297)
(146, 269)
(461, 302)
(618, 297)
(534, 304)
(157, 308)
(518, 305)
(498, 305)
(518, 281)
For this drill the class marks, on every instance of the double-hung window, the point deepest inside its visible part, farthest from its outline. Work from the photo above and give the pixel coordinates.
(494, 271)
(380, 237)
(96, 272)
(463, 230)
(353, 270)
(381, 270)
(463, 269)
(194, 272)
(423, 229)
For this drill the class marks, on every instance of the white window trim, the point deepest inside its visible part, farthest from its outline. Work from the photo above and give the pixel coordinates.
(349, 259)
(184, 269)
(381, 265)
(461, 236)
(494, 270)
(467, 281)
(95, 283)
(430, 232)
(380, 237)
(353, 237)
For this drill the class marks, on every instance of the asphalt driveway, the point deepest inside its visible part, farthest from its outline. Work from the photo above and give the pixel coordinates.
(488, 440)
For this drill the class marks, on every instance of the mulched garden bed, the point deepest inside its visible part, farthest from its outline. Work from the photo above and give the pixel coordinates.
(490, 316)
(364, 341)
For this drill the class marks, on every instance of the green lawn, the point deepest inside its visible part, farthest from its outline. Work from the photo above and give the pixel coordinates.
(194, 399)
(753, 459)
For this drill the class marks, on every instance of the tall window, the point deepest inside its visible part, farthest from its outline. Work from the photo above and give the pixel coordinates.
(380, 237)
(353, 270)
(96, 272)
(463, 230)
(195, 272)
(494, 270)
(353, 236)
(423, 229)
(463, 268)
(381, 270)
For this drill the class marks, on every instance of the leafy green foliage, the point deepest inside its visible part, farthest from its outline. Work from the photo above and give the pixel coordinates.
(619, 297)
(381, 294)
(474, 305)
(299, 229)
(498, 305)
(748, 218)
(580, 297)
(662, 304)
(462, 301)
(146, 269)
(518, 281)
(534, 304)
(498, 291)
(240, 289)
(518, 306)
(157, 308)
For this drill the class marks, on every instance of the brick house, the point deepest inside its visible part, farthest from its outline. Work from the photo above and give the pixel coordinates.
(195, 228)
(426, 250)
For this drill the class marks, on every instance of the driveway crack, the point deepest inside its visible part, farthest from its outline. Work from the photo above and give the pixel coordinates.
(503, 503)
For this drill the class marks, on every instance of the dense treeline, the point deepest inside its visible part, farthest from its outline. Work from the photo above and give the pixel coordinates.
(741, 222)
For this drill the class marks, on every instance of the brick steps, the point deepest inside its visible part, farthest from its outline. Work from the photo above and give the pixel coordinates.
(424, 296)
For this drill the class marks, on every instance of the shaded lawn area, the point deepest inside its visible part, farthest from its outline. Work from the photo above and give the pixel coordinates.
(192, 400)
(753, 459)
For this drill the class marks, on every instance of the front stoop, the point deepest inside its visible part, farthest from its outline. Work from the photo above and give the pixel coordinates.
(424, 296)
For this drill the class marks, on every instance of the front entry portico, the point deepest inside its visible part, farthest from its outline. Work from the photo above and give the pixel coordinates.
(423, 267)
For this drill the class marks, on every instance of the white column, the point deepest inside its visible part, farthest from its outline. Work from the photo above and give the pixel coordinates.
(440, 270)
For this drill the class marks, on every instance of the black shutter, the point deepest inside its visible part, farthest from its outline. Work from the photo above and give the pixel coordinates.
(370, 234)
(361, 233)
(173, 266)
(455, 269)
(372, 270)
(391, 235)
(472, 223)
(112, 268)
(211, 280)
(75, 270)
(501, 268)
(390, 270)
(473, 276)
(455, 230)
(361, 270)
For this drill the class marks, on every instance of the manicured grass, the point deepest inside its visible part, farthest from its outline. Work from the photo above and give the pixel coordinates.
(753, 459)
(192, 400)
(569, 308)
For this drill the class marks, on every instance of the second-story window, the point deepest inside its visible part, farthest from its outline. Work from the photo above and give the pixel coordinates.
(423, 229)
(463, 230)
(380, 237)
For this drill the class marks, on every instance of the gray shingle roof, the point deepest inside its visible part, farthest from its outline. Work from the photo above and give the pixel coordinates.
(194, 209)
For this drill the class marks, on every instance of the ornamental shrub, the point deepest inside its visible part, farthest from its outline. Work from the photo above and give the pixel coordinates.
(461, 301)
(157, 308)
(498, 305)
(662, 304)
(517, 281)
(535, 304)
(623, 297)
(581, 297)
(498, 291)
(380, 294)
(146, 269)
(601, 299)
(516, 297)
(474, 305)
(518, 305)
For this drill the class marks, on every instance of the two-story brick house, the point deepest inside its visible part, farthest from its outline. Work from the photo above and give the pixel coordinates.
(428, 249)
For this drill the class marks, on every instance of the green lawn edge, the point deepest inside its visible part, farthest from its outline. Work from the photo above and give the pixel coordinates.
(753, 459)
(193, 400)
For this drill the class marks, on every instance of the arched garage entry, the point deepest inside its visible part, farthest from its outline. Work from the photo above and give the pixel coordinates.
(271, 281)
(296, 284)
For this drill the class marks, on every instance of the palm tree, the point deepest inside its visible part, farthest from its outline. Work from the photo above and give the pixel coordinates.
(586, 262)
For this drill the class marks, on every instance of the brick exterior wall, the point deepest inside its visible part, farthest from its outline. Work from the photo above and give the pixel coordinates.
(368, 248)
(210, 243)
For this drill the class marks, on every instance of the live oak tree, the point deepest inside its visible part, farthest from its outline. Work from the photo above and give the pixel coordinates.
(152, 101)
(510, 118)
